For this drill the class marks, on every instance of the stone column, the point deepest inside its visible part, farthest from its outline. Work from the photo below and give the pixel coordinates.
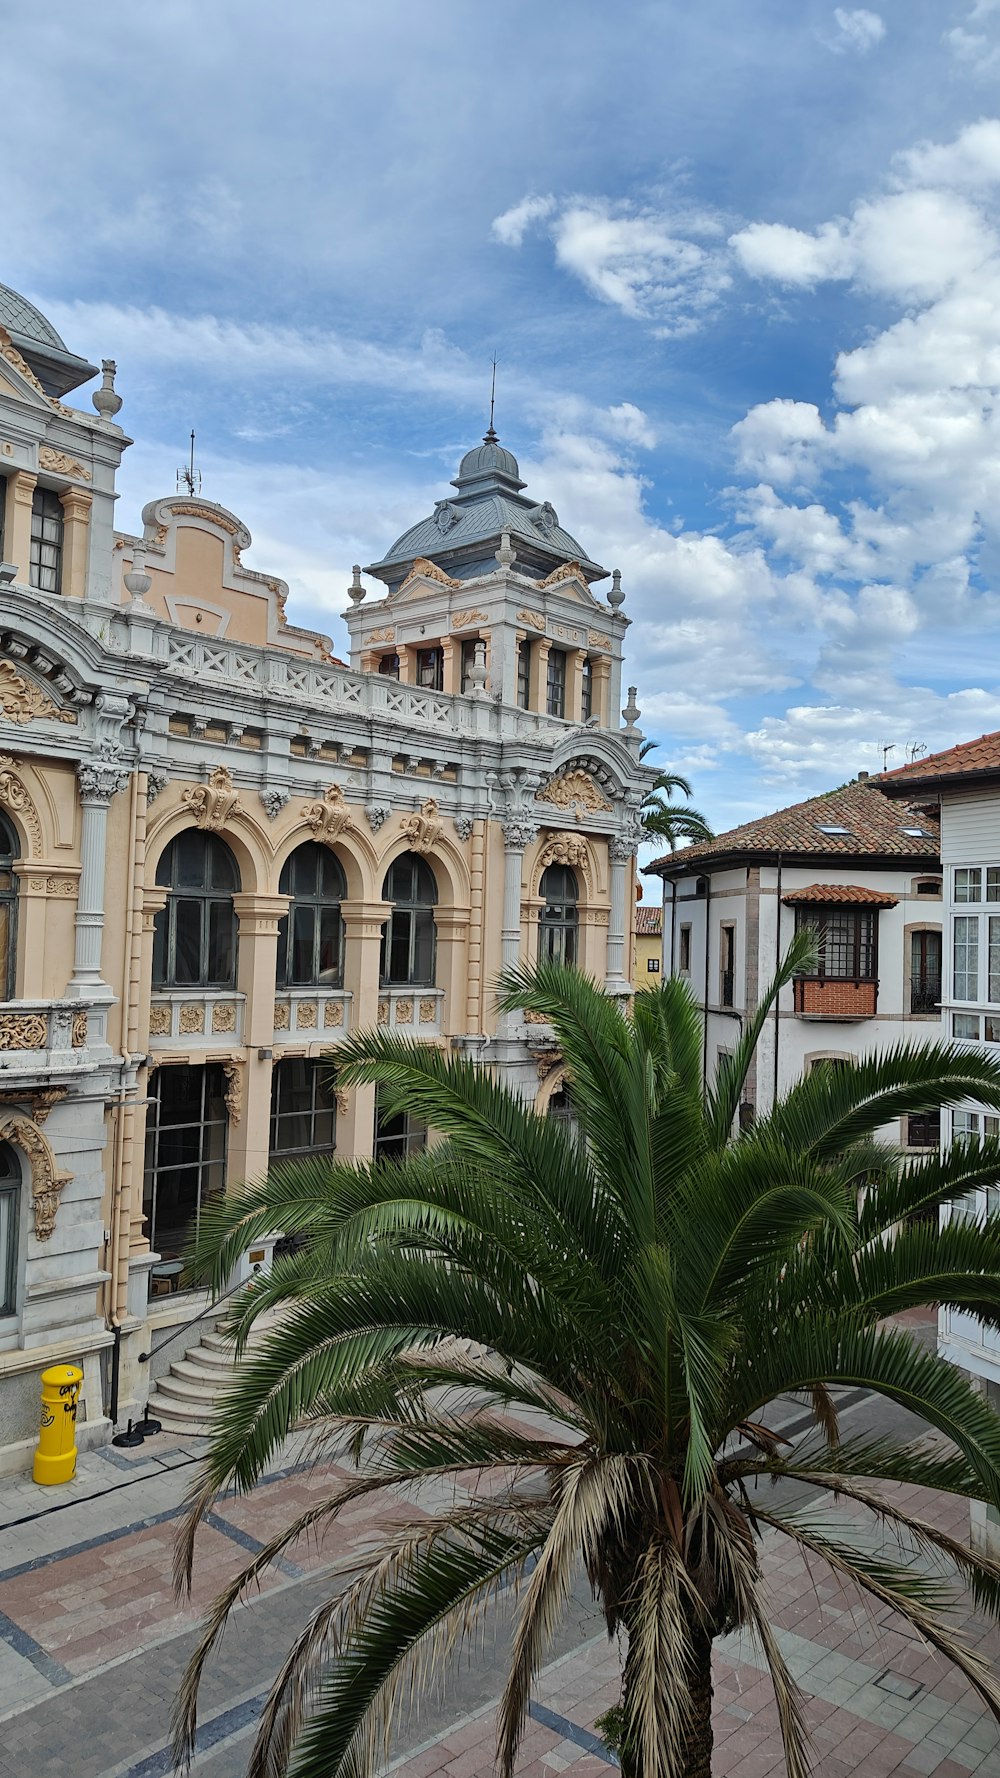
(76, 504)
(620, 855)
(98, 783)
(248, 1085)
(517, 836)
(17, 547)
(539, 694)
(363, 923)
(575, 658)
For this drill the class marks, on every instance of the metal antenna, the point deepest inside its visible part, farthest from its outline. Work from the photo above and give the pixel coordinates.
(886, 747)
(491, 435)
(189, 477)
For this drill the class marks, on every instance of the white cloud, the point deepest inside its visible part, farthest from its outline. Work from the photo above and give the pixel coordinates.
(858, 29)
(511, 228)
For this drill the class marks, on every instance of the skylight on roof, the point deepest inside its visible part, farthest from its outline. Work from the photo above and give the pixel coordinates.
(917, 833)
(831, 827)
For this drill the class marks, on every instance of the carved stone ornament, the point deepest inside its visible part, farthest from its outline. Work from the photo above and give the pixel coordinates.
(423, 831)
(79, 1037)
(274, 801)
(14, 796)
(192, 1019)
(383, 1012)
(565, 848)
(341, 1101)
(23, 1031)
(428, 1011)
(306, 1016)
(534, 618)
(47, 1179)
(41, 1100)
(466, 620)
(519, 834)
(446, 516)
(544, 518)
(330, 818)
(281, 1015)
(21, 700)
(9, 351)
(425, 570)
(333, 1013)
(214, 803)
(573, 790)
(386, 633)
(224, 1016)
(464, 825)
(565, 571)
(596, 639)
(61, 887)
(61, 464)
(375, 814)
(622, 847)
(404, 1012)
(98, 783)
(533, 1018)
(159, 1021)
(233, 1071)
(545, 1063)
(155, 782)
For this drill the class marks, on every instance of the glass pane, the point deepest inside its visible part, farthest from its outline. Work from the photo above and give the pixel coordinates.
(993, 989)
(329, 946)
(423, 947)
(303, 936)
(966, 957)
(6, 957)
(221, 943)
(965, 1024)
(187, 941)
(993, 883)
(8, 1248)
(189, 861)
(399, 945)
(967, 884)
(222, 872)
(281, 972)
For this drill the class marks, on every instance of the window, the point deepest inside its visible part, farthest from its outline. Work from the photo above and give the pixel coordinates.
(965, 932)
(684, 950)
(991, 1033)
(555, 683)
(389, 666)
(965, 1024)
(587, 689)
(928, 886)
(468, 662)
(558, 920)
(194, 941)
(828, 1064)
(968, 884)
(993, 959)
(311, 934)
(185, 1153)
(396, 1137)
(46, 540)
(303, 1110)
(10, 1199)
(8, 908)
(923, 1129)
(993, 883)
(845, 937)
(524, 673)
(408, 938)
(430, 668)
(652, 965)
(727, 964)
(925, 972)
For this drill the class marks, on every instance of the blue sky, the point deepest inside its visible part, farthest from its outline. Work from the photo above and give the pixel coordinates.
(739, 263)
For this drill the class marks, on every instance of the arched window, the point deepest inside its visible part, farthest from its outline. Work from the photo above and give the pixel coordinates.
(558, 920)
(194, 943)
(8, 908)
(408, 937)
(10, 1195)
(311, 934)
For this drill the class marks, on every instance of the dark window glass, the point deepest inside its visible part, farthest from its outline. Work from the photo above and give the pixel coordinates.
(194, 939)
(408, 937)
(524, 673)
(3, 514)
(558, 920)
(430, 668)
(555, 683)
(46, 540)
(186, 1129)
(923, 1129)
(389, 666)
(310, 935)
(8, 908)
(846, 941)
(925, 972)
(303, 1111)
(684, 951)
(10, 1201)
(587, 691)
(396, 1137)
(728, 964)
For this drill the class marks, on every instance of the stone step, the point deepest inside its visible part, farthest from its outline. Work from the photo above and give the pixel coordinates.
(174, 1417)
(195, 1393)
(211, 1376)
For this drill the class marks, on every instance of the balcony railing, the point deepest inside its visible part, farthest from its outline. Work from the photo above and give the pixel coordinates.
(314, 1013)
(415, 1012)
(925, 994)
(41, 1037)
(727, 987)
(835, 997)
(212, 1017)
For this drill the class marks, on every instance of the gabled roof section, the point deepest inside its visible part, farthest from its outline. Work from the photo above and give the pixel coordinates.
(464, 531)
(970, 761)
(855, 822)
(840, 895)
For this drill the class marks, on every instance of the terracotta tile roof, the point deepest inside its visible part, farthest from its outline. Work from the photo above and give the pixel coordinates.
(981, 756)
(830, 894)
(857, 821)
(649, 921)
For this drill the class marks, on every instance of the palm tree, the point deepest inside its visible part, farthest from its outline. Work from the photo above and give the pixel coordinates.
(666, 820)
(597, 1327)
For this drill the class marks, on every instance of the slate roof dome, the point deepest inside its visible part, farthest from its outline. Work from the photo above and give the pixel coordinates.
(486, 461)
(56, 367)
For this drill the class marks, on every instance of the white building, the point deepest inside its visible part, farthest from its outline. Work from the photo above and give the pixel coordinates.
(861, 869)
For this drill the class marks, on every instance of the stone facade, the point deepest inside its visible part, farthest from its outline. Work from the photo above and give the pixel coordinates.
(161, 718)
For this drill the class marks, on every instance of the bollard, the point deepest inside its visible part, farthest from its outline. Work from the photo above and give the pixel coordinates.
(55, 1457)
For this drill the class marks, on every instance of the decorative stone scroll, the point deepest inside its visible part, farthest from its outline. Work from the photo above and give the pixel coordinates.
(428, 1011)
(47, 1179)
(565, 571)
(423, 831)
(545, 1063)
(22, 701)
(574, 790)
(224, 1016)
(597, 639)
(14, 796)
(79, 1031)
(534, 618)
(426, 570)
(565, 848)
(465, 620)
(233, 1095)
(42, 1100)
(214, 803)
(23, 1031)
(62, 464)
(329, 818)
(159, 1021)
(386, 633)
(333, 1013)
(404, 1012)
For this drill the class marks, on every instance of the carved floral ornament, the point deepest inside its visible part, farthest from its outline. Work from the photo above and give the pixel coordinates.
(426, 570)
(423, 831)
(47, 1178)
(13, 796)
(330, 818)
(565, 848)
(62, 464)
(574, 790)
(565, 571)
(214, 803)
(22, 701)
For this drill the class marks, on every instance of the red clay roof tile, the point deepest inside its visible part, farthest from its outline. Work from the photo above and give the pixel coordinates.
(831, 894)
(859, 822)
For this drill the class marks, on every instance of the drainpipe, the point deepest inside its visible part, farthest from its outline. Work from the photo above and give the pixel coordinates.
(673, 925)
(704, 1040)
(777, 998)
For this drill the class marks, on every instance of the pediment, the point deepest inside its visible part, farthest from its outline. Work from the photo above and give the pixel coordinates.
(18, 379)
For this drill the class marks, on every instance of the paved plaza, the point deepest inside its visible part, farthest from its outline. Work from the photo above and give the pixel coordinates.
(93, 1642)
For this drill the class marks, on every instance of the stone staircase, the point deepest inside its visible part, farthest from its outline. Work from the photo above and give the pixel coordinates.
(184, 1398)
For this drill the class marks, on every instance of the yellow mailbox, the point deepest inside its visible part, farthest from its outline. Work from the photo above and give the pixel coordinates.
(55, 1458)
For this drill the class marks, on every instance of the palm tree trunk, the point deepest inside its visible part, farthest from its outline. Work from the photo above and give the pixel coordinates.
(697, 1756)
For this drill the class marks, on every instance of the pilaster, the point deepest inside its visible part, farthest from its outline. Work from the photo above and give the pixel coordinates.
(21, 488)
(363, 924)
(97, 783)
(76, 504)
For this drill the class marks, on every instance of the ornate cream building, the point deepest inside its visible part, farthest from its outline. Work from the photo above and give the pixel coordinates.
(221, 850)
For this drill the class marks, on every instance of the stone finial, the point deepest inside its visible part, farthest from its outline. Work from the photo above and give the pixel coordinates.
(631, 712)
(506, 554)
(356, 591)
(137, 581)
(106, 399)
(616, 597)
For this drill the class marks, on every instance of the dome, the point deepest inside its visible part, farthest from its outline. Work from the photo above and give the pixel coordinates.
(21, 318)
(57, 368)
(487, 461)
